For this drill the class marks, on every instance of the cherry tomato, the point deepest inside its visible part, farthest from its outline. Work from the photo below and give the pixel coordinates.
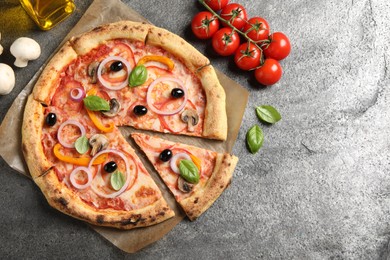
(217, 5)
(279, 46)
(247, 56)
(204, 25)
(269, 73)
(257, 29)
(236, 14)
(225, 42)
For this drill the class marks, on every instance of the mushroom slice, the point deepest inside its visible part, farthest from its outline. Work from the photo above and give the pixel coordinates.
(184, 185)
(190, 116)
(98, 142)
(115, 106)
(92, 71)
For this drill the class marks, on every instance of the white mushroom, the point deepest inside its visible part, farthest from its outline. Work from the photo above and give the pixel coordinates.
(1, 47)
(184, 185)
(25, 49)
(190, 117)
(7, 79)
(115, 106)
(98, 142)
(92, 71)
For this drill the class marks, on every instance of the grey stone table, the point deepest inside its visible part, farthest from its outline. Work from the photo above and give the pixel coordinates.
(318, 189)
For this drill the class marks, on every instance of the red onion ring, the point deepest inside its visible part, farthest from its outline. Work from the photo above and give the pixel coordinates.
(73, 181)
(149, 98)
(69, 122)
(79, 95)
(173, 162)
(107, 84)
(114, 194)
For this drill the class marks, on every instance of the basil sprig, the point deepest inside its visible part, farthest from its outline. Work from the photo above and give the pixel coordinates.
(82, 144)
(254, 139)
(268, 114)
(95, 103)
(189, 171)
(138, 76)
(117, 180)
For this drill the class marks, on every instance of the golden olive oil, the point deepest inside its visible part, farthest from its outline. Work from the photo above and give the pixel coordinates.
(48, 13)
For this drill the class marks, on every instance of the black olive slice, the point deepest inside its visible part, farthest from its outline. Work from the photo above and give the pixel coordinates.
(116, 66)
(140, 110)
(51, 119)
(177, 93)
(110, 167)
(165, 155)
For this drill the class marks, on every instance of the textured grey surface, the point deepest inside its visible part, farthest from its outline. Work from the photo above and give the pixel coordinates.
(318, 189)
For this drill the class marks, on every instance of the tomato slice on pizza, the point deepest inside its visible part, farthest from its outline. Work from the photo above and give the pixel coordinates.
(195, 176)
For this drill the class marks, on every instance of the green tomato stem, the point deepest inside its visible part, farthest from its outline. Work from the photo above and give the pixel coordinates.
(202, 2)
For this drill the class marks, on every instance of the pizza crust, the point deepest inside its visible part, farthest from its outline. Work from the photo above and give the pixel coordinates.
(215, 120)
(177, 46)
(48, 80)
(124, 29)
(65, 200)
(31, 138)
(201, 199)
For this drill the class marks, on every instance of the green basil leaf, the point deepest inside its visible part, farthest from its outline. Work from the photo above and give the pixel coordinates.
(95, 103)
(254, 139)
(82, 144)
(138, 76)
(117, 180)
(189, 171)
(268, 114)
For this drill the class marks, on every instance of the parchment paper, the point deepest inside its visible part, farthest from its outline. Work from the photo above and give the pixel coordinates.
(101, 12)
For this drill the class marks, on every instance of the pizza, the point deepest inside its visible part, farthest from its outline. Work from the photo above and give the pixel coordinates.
(119, 74)
(195, 176)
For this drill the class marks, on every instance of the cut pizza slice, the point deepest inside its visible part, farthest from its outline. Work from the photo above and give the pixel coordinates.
(90, 175)
(195, 176)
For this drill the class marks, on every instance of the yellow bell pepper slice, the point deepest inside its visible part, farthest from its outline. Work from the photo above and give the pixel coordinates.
(164, 60)
(81, 161)
(196, 161)
(95, 120)
(92, 91)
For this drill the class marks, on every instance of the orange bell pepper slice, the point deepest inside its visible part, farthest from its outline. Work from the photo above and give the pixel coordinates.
(164, 60)
(81, 161)
(196, 161)
(95, 120)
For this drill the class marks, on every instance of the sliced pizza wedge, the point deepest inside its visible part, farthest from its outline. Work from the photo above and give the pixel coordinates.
(195, 176)
(105, 184)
